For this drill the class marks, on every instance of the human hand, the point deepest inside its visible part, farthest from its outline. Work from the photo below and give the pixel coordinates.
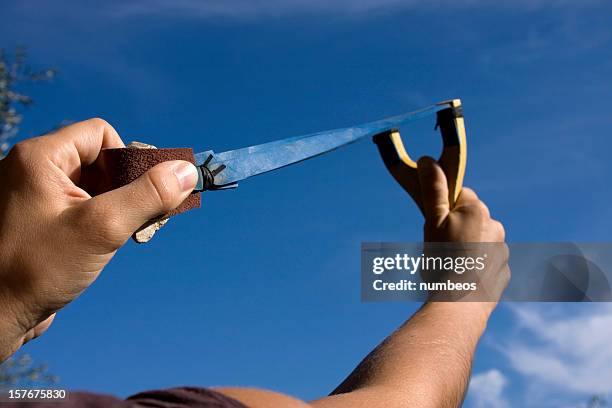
(55, 239)
(469, 221)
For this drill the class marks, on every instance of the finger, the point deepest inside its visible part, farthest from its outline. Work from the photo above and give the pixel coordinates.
(114, 216)
(501, 231)
(79, 145)
(467, 196)
(469, 201)
(434, 190)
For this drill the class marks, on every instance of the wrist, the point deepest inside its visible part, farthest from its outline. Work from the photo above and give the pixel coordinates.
(11, 337)
(472, 314)
(12, 331)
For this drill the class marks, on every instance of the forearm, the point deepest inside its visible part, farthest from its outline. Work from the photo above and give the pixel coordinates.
(425, 363)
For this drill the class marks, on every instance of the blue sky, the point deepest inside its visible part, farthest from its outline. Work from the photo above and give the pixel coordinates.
(260, 287)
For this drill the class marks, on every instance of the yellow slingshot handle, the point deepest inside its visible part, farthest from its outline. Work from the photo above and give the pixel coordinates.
(452, 160)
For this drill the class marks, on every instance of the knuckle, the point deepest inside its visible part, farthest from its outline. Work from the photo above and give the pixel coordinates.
(483, 209)
(160, 190)
(21, 155)
(98, 222)
(506, 252)
(472, 210)
(477, 209)
(98, 123)
(21, 150)
(105, 234)
(468, 194)
(468, 191)
(501, 231)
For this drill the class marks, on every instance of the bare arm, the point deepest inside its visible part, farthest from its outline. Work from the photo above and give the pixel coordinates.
(424, 363)
(427, 361)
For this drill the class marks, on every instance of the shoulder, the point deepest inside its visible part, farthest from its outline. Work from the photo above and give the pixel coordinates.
(257, 398)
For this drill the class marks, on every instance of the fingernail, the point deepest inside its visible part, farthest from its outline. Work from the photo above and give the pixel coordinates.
(187, 175)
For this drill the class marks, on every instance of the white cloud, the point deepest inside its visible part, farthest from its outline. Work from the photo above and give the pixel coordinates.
(564, 347)
(486, 390)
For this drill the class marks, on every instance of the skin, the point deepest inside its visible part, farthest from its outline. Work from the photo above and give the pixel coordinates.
(45, 204)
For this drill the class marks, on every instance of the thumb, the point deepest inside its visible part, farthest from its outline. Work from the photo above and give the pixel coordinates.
(434, 190)
(117, 214)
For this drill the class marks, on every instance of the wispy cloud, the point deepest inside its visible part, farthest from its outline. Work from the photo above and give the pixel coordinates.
(245, 9)
(569, 354)
(487, 388)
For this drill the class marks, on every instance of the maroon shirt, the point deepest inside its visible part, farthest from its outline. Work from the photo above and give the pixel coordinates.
(186, 397)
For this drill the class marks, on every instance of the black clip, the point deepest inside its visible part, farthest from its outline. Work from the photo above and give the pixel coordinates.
(208, 177)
